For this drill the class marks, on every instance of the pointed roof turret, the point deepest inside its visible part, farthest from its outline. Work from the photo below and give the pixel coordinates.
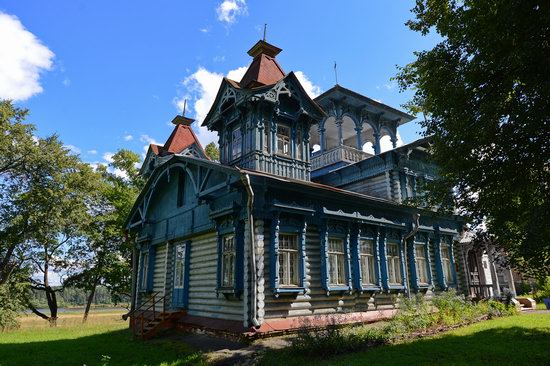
(264, 69)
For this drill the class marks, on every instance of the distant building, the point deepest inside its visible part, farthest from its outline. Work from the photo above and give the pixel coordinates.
(297, 219)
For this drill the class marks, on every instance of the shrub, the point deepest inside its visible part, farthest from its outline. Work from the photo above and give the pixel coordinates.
(9, 307)
(543, 289)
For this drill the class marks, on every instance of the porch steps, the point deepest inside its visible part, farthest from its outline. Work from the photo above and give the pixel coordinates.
(162, 321)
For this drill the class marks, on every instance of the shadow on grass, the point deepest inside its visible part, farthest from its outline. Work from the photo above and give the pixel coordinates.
(498, 346)
(119, 347)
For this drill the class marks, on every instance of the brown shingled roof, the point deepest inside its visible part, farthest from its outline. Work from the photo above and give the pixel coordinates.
(264, 69)
(180, 139)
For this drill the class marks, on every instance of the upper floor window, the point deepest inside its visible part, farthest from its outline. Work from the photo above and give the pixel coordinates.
(394, 264)
(336, 262)
(228, 261)
(421, 263)
(446, 262)
(410, 186)
(236, 143)
(283, 140)
(181, 189)
(266, 139)
(366, 261)
(288, 260)
(299, 146)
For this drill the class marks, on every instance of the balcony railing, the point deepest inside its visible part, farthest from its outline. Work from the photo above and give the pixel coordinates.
(336, 154)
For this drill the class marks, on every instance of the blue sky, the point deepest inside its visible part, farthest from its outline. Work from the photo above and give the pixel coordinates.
(111, 74)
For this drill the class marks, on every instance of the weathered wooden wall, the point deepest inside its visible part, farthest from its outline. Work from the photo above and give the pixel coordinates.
(203, 300)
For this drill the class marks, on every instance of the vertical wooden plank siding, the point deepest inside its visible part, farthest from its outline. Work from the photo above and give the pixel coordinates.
(203, 300)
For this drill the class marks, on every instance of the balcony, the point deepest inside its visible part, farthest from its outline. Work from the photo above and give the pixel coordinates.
(342, 153)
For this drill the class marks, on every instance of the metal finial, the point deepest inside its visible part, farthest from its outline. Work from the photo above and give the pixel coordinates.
(335, 73)
(184, 107)
(265, 30)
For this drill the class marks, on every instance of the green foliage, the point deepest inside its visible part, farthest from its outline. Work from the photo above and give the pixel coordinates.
(11, 294)
(212, 151)
(483, 91)
(414, 315)
(543, 289)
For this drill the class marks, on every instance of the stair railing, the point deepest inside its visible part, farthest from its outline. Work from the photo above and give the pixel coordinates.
(139, 315)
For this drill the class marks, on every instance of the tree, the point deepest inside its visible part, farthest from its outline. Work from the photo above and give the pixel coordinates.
(212, 151)
(105, 257)
(61, 195)
(484, 90)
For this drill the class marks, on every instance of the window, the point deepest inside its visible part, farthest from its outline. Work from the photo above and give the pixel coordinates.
(179, 266)
(144, 270)
(421, 263)
(336, 260)
(410, 186)
(288, 260)
(366, 261)
(446, 262)
(299, 152)
(394, 264)
(283, 140)
(228, 261)
(181, 188)
(237, 143)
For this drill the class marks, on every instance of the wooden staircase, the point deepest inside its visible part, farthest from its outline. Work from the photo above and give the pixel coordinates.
(146, 321)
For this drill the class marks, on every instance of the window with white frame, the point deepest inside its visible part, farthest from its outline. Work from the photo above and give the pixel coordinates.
(366, 260)
(179, 266)
(144, 270)
(336, 260)
(421, 263)
(228, 261)
(446, 262)
(236, 143)
(288, 260)
(283, 140)
(394, 264)
(410, 186)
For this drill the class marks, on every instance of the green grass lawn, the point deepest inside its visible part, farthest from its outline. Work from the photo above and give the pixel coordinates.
(72, 343)
(514, 340)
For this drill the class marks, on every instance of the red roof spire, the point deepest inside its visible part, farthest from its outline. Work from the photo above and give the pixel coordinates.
(264, 69)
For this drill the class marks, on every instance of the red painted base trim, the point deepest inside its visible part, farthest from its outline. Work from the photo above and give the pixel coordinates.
(278, 326)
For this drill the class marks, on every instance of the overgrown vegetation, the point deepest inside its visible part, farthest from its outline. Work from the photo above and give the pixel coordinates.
(415, 316)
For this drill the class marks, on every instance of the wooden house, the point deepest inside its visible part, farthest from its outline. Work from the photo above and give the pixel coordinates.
(279, 234)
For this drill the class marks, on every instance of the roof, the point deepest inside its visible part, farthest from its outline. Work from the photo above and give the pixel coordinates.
(264, 69)
(352, 97)
(181, 138)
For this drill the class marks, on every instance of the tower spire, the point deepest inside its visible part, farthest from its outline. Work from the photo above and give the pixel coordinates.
(265, 30)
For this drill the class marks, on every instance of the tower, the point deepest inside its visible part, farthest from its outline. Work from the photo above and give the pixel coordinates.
(263, 121)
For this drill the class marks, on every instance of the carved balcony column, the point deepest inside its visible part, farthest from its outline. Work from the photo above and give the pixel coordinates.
(358, 131)
(339, 123)
(376, 143)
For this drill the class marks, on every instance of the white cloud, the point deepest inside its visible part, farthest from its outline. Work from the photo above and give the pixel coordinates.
(204, 30)
(147, 140)
(311, 89)
(92, 152)
(128, 137)
(73, 149)
(237, 74)
(229, 10)
(66, 82)
(201, 88)
(24, 57)
(385, 142)
(108, 157)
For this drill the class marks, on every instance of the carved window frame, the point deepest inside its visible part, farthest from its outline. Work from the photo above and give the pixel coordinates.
(230, 226)
(341, 230)
(420, 239)
(298, 227)
(391, 236)
(444, 282)
(366, 232)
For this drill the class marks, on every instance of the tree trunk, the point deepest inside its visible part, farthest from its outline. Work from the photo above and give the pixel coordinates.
(89, 302)
(52, 305)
